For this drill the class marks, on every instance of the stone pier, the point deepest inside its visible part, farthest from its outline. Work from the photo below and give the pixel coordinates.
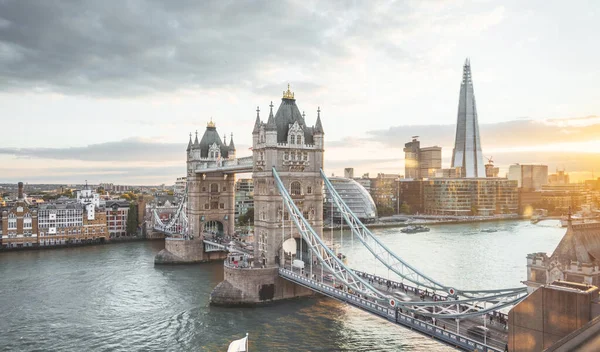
(249, 287)
(182, 251)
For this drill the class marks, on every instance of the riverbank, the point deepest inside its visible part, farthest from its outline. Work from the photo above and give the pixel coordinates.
(73, 245)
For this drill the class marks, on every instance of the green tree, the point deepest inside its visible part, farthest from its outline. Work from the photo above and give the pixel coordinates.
(405, 208)
(474, 210)
(247, 218)
(383, 210)
(132, 219)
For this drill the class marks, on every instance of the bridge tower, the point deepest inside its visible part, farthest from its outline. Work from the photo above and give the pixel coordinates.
(211, 196)
(210, 200)
(287, 143)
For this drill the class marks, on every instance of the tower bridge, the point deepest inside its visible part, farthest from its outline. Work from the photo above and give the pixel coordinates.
(287, 169)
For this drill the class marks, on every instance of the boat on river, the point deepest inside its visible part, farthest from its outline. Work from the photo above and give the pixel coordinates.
(415, 229)
(489, 230)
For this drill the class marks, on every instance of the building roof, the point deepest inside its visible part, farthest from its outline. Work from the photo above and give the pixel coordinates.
(210, 137)
(580, 243)
(286, 115)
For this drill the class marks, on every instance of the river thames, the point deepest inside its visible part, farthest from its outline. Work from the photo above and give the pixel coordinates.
(113, 298)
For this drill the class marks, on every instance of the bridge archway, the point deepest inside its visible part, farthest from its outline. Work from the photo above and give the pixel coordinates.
(213, 227)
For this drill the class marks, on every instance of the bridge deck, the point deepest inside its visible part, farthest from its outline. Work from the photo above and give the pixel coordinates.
(437, 331)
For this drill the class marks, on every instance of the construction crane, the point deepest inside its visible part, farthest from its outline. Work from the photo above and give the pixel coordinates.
(490, 159)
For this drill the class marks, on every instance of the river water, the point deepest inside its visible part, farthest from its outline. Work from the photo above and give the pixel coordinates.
(113, 298)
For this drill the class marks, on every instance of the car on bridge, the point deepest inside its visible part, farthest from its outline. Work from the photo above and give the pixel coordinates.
(479, 332)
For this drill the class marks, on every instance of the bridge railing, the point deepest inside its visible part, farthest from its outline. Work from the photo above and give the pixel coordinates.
(417, 291)
(390, 314)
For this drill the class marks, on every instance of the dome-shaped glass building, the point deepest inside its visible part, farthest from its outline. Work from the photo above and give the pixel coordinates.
(355, 196)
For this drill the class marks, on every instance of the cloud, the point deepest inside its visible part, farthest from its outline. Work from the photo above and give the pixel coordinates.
(139, 47)
(516, 133)
(132, 149)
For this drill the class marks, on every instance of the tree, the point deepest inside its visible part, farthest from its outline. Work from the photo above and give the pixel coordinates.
(383, 210)
(474, 210)
(247, 218)
(405, 208)
(132, 219)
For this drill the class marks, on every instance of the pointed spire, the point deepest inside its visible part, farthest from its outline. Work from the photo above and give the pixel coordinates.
(319, 125)
(190, 143)
(231, 145)
(196, 141)
(224, 138)
(257, 122)
(271, 126)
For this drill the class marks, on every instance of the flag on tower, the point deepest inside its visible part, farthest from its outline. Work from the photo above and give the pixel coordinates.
(240, 345)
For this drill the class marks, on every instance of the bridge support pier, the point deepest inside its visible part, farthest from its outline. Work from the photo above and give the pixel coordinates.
(249, 287)
(182, 251)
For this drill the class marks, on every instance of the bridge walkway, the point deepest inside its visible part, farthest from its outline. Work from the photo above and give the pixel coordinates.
(444, 330)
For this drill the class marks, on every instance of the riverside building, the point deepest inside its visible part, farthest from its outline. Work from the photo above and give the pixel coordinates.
(355, 196)
(18, 224)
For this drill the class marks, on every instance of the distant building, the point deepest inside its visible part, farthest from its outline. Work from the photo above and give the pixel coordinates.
(18, 224)
(470, 196)
(244, 196)
(421, 162)
(354, 195)
(467, 154)
(384, 193)
(349, 172)
(180, 185)
(60, 222)
(559, 178)
(410, 192)
(560, 197)
(490, 170)
(448, 173)
(116, 217)
(529, 177)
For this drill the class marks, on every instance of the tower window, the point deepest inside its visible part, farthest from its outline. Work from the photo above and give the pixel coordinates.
(214, 188)
(299, 139)
(296, 188)
(292, 139)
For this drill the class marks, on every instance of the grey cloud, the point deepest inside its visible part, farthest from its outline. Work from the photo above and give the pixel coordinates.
(125, 150)
(516, 133)
(133, 149)
(138, 47)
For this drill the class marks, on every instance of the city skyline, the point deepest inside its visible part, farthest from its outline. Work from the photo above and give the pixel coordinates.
(108, 114)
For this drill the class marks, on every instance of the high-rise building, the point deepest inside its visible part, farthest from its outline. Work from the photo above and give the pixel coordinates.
(411, 159)
(430, 160)
(529, 177)
(244, 196)
(421, 162)
(467, 145)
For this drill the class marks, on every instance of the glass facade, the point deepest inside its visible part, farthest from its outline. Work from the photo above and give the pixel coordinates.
(355, 196)
(470, 196)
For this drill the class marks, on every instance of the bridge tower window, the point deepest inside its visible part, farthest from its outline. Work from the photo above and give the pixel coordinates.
(296, 188)
(214, 187)
(299, 139)
(292, 139)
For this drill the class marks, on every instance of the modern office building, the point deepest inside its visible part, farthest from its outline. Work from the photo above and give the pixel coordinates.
(467, 153)
(179, 188)
(529, 177)
(384, 193)
(559, 178)
(470, 196)
(410, 196)
(421, 162)
(354, 195)
(244, 196)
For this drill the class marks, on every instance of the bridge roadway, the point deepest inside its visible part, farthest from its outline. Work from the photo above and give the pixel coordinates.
(444, 330)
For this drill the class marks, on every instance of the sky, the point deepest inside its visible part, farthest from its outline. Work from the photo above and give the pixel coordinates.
(108, 91)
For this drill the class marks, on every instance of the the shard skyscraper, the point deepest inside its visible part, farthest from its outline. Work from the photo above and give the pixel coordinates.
(467, 145)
